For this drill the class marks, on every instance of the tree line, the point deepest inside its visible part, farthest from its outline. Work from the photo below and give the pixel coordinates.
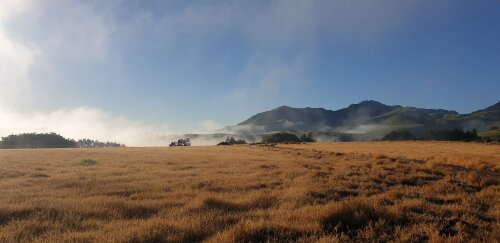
(435, 135)
(231, 141)
(50, 140)
(89, 143)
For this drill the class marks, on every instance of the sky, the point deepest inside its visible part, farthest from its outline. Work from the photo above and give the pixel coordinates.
(135, 71)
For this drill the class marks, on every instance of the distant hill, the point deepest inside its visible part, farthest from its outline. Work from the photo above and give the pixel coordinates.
(367, 119)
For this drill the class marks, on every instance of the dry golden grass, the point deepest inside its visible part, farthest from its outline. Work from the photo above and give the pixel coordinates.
(321, 192)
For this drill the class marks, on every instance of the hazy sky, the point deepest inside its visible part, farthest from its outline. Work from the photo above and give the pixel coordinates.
(132, 71)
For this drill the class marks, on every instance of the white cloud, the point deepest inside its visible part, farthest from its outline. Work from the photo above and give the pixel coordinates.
(8, 8)
(16, 58)
(41, 36)
(86, 122)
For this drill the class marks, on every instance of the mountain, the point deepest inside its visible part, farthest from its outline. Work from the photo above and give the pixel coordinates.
(288, 118)
(369, 119)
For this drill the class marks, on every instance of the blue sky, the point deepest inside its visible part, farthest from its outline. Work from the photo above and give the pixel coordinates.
(117, 70)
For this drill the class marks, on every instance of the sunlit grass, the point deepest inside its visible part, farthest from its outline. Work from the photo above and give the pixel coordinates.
(319, 192)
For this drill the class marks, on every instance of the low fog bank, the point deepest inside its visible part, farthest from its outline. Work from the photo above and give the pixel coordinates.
(214, 139)
(94, 123)
(86, 122)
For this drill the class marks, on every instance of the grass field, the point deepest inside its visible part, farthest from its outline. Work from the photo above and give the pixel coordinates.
(319, 192)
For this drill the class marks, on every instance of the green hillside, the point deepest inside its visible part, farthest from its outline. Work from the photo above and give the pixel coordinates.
(491, 133)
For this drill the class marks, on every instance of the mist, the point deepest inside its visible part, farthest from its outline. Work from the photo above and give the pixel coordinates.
(363, 129)
(86, 122)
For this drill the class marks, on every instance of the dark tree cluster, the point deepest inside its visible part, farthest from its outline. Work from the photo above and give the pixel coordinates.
(89, 143)
(436, 135)
(398, 136)
(36, 140)
(281, 137)
(452, 135)
(231, 141)
(180, 142)
(284, 137)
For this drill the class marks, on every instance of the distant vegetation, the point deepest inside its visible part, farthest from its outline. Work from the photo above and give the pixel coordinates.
(281, 137)
(452, 135)
(231, 141)
(180, 142)
(398, 136)
(36, 140)
(284, 137)
(89, 143)
(436, 135)
(50, 140)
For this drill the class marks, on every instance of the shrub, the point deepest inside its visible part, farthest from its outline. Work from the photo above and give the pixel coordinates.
(246, 231)
(353, 215)
(88, 162)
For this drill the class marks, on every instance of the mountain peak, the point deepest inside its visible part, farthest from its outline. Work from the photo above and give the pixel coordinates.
(283, 107)
(370, 102)
(372, 105)
(367, 103)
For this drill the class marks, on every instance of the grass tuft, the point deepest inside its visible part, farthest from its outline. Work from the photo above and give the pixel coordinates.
(88, 162)
(352, 215)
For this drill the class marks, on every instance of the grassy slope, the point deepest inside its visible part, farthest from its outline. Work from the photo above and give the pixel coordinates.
(491, 133)
(385, 191)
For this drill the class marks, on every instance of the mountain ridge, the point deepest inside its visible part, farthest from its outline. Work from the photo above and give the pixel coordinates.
(368, 117)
